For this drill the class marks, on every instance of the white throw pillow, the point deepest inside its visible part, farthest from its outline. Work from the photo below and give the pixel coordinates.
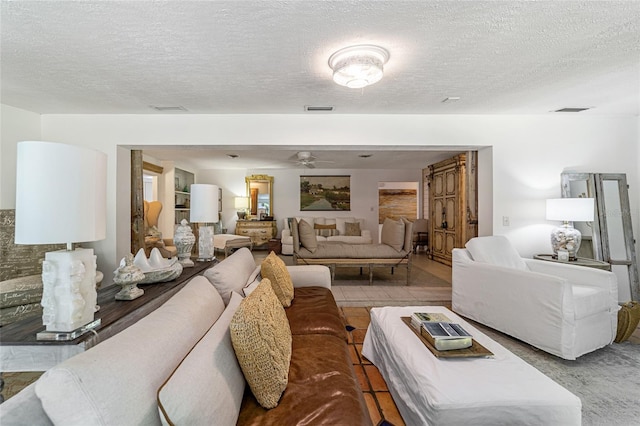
(232, 274)
(208, 385)
(495, 250)
(107, 386)
(252, 282)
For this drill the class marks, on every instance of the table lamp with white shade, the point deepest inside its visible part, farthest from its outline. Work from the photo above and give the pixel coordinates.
(566, 237)
(61, 198)
(204, 211)
(241, 204)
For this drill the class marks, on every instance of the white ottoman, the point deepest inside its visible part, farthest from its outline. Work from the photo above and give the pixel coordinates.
(501, 390)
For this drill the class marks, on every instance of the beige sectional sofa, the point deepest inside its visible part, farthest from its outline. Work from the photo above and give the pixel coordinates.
(178, 365)
(324, 233)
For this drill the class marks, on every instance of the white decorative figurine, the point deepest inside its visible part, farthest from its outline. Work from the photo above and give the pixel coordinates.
(128, 276)
(184, 241)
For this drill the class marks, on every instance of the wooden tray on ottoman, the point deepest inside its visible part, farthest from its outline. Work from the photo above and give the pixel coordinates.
(476, 349)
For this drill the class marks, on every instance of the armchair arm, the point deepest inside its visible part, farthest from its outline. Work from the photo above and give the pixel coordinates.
(575, 274)
(310, 276)
(286, 237)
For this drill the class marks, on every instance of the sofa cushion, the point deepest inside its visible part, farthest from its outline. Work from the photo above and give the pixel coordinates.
(107, 386)
(393, 233)
(276, 271)
(338, 250)
(261, 339)
(208, 383)
(322, 388)
(352, 229)
(232, 273)
(307, 236)
(252, 282)
(495, 250)
(314, 311)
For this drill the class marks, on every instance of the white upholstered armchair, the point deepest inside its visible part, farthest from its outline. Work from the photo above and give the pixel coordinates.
(563, 309)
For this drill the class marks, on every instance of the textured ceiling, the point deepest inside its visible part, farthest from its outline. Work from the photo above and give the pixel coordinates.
(257, 56)
(261, 56)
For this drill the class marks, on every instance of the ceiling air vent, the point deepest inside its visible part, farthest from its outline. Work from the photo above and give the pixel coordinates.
(310, 108)
(572, 109)
(178, 108)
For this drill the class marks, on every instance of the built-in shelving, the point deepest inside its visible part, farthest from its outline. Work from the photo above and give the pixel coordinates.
(182, 185)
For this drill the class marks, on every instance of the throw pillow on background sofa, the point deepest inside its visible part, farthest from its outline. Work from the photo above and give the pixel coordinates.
(307, 236)
(261, 338)
(393, 233)
(274, 269)
(352, 229)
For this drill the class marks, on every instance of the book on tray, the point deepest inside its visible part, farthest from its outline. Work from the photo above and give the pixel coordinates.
(438, 329)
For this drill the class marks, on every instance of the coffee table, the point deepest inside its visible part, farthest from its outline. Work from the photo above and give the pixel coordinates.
(231, 242)
(502, 389)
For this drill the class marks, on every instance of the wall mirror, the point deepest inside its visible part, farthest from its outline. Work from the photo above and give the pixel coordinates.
(260, 193)
(610, 233)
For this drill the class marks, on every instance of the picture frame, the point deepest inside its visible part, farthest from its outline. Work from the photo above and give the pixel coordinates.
(325, 193)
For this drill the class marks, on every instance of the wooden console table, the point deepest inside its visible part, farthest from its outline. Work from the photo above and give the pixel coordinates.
(260, 231)
(20, 351)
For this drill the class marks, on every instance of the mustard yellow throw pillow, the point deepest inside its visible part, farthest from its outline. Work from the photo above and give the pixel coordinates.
(276, 271)
(261, 339)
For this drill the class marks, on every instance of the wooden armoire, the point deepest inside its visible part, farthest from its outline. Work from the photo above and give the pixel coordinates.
(453, 204)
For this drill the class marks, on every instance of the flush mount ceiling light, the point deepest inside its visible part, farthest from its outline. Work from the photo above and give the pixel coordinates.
(358, 66)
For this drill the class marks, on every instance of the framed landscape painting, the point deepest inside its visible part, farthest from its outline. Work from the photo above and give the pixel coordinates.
(318, 193)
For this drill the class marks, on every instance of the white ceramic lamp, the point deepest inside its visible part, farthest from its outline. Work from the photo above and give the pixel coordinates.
(566, 237)
(61, 198)
(241, 204)
(204, 210)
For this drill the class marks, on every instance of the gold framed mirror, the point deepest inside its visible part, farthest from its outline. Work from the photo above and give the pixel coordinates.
(260, 193)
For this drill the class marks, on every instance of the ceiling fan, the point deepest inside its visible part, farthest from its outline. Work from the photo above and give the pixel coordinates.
(306, 159)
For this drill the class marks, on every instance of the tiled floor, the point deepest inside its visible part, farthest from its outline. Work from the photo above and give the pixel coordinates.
(377, 396)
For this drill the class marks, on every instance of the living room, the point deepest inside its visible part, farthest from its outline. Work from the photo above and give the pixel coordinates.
(64, 86)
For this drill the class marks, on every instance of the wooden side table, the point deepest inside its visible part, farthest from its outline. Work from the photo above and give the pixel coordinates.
(20, 351)
(580, 261)
(275, 245)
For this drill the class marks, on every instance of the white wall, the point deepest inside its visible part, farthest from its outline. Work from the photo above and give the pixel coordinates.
(17, 125)
(528, 154)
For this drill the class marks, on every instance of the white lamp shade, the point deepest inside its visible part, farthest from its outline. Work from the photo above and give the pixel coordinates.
(241, 202)
(60, 193)
(570, 209)
(204, 203)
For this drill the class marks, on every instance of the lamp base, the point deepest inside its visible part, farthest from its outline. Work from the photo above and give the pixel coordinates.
(63, 336)
(242, 215)
(566, 237)
(68, 289)
(205, 243)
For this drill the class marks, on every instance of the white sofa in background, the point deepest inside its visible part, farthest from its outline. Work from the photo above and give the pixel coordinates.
(339, 222)
(563, 309)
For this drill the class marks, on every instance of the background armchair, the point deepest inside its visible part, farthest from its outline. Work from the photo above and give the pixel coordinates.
(152, 236)
(563, 309)
(420, 234)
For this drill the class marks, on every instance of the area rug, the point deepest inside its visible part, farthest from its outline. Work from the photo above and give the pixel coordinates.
(606, 380)
(351, 276)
